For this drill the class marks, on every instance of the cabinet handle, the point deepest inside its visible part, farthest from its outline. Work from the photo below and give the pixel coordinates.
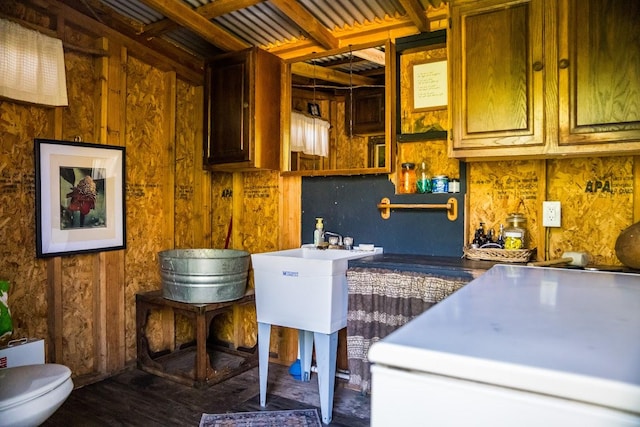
(537, 66)
(564, 63)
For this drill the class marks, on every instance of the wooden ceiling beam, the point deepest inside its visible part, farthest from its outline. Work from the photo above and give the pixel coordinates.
(321, 73)
(209, 11)
(371, 54)
(177, 11)
(307, 22)
(186, 69)
(417, 14)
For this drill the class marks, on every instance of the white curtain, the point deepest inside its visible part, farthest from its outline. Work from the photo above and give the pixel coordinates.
(31, 66)
(309, 135)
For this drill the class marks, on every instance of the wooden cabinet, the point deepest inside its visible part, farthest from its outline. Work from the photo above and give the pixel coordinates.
(242, 111)
(367, 110)
(599, 74)
(544, 78)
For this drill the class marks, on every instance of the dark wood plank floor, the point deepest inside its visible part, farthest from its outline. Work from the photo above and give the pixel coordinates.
(136, 398)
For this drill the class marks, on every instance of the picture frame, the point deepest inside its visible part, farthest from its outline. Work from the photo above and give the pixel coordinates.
(313, 109)
(429, 85)
(377, 151)
(80, 197)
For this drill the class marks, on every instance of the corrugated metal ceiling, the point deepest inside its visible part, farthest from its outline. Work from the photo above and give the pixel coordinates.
(268, 24)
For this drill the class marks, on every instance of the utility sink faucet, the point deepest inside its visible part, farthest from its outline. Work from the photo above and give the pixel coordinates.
(331, 233)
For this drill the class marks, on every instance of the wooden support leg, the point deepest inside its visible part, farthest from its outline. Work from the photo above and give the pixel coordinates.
(202, 358)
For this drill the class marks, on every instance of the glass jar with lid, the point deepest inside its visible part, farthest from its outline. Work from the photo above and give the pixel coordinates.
(515, 234)
(407, 184)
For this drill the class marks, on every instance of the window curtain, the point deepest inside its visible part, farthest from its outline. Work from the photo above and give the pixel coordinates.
(31, 66)
(309, 135)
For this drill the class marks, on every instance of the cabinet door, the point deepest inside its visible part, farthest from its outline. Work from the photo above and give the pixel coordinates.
(497, 64)
(228, 112)
(367, 109)
(599, 72)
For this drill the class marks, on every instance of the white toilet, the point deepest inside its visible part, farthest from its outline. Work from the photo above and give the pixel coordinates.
(32, 393)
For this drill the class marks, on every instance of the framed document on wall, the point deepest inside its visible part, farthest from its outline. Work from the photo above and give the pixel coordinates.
(429, 85)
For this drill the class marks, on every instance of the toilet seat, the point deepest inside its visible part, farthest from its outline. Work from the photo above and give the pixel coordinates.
(23, 383)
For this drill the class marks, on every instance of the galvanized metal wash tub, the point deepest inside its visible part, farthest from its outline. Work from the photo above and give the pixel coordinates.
(203, 276)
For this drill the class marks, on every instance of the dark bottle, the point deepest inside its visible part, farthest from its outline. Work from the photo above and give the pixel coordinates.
(500, 240)
(482, 234)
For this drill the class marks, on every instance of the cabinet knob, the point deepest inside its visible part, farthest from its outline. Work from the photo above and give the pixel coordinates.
(537, 66)
(245, 105)
(564, 63)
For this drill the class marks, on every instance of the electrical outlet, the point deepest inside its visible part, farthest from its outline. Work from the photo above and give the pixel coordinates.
(551, 214)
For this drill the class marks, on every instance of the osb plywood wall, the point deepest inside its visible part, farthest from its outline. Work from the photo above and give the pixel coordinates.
(596, 195)
(351, 151)
(148, 163)
(597, 204)
(256, 195)
(19, 124)
(497, 189)
(192, 185)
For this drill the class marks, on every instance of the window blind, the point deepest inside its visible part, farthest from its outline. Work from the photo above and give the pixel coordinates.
(309, 135)
(31, 66)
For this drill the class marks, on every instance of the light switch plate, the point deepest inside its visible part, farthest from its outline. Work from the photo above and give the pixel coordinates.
(551, 214)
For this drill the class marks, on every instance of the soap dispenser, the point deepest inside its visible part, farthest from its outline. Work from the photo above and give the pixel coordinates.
(318, 233)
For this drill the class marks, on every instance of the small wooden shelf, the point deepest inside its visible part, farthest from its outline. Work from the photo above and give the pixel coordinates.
(451, 207)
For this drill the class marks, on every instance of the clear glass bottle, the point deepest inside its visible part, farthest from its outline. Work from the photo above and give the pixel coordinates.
(407, 184)
(515, 234)
(423, 182)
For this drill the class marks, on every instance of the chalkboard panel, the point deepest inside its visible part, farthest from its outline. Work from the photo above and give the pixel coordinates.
(348, 205)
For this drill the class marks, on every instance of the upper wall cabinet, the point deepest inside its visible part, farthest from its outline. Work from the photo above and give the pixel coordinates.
(242, 111)
(543, 79)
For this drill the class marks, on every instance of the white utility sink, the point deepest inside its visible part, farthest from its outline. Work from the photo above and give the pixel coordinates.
(304, 288)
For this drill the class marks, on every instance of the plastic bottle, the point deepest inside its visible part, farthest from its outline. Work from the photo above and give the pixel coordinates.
(318, 233)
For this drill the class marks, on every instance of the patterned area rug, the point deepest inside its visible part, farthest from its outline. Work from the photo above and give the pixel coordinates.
(292, 418)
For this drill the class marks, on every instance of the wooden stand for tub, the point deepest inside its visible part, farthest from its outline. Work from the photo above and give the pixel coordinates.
(177, 363)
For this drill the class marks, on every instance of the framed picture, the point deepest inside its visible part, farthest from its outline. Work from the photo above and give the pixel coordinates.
(429, 85)
(80, 203)
(377, 148)
(314, 109)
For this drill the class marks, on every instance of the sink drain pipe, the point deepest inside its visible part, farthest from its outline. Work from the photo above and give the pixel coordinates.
(340, 373)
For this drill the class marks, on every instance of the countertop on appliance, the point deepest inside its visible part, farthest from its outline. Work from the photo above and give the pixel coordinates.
(559, 332)
(437, 265)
